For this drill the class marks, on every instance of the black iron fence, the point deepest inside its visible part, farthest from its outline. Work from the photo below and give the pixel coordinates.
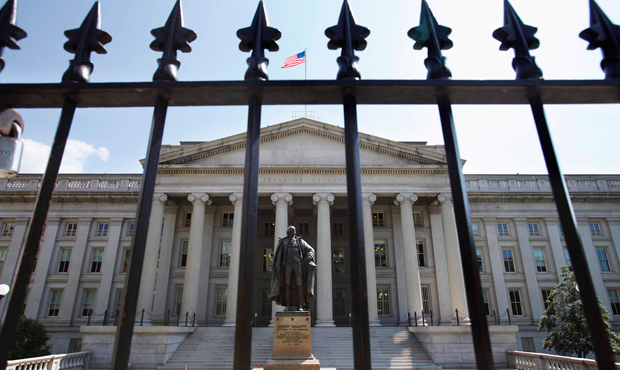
(348, 90)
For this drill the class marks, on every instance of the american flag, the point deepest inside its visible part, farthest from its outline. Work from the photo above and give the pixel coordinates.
(294, 60)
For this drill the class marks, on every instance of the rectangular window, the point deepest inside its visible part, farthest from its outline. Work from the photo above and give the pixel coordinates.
(54, 306)
(95, 263)
(178, 299)
(7, 229)
(421, 255)
(303, 229)
(125, 259)
(546, 294)
(102, 230)
(184, 248)
(225, 246)
(569, 263)
(338, 229)
(36, 260)
(340, 304)
(384, 301)
(221, 293)
(561, 230)
(527, 343)
(2, 258)
(75, 345)
(534, 231)
(338, 260)
(485, 302)
(539, 259)
(267, 260)
(417, 219)
(614, 300)
(265, 304)
(509, 262)
(515, 302)
(65, 258)
(502, 229)
(380, 254)
(118, 302)
(270, 229)
(377, 219)
(474, 229)
(187, 222)
(71, 229)
(595, 229)
(602, 259)
(479, 260)
(427, 305)
(228, 219)
(130, 227)
(88, 303)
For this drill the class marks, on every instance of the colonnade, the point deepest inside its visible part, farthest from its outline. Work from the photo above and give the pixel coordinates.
(446, 243)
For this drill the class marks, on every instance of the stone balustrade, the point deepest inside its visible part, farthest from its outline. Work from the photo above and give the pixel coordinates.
(74, 183)
(68, 361)
(542, 361)
(524, 183)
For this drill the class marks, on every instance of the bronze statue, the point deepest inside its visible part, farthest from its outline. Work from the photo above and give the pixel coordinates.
(294, 272)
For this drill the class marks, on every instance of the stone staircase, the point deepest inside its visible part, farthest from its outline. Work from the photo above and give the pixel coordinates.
(391, 348)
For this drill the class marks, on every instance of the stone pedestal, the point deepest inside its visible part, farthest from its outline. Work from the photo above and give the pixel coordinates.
(292, 345)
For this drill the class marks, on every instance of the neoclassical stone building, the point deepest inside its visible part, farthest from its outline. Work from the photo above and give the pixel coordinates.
(192, 256)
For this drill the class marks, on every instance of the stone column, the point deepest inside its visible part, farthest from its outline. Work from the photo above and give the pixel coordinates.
(497, 265)
(107, 266)
(233, 271)
(151, 253)
(14, 251)
(614, 228)
(71, 294)
(441, 264)
(556, 244)
(593, 262)
(194, 254)
(33, 304)
(371, 275)
(163, 271)
(529, 269)
(325, 314)
(281, 201)
(412, 269)
(453, 256)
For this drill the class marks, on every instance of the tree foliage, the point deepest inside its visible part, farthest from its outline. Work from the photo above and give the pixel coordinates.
(30, 340)
(565, 320)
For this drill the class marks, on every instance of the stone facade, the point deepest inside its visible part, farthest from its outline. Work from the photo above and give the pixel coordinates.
(193, 241)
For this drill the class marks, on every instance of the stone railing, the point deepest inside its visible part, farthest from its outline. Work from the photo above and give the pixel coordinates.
(69, 361)
(524, 183)
(542, 361)
(75, 183)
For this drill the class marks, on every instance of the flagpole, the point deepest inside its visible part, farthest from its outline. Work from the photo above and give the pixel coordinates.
(305, 78)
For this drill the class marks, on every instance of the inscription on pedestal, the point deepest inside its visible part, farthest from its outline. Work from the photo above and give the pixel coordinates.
(292, 345)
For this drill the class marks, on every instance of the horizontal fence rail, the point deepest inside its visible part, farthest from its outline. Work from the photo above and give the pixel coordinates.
(69, 361)
(206, 93)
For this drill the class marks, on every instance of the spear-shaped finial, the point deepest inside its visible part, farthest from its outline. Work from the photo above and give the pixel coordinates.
(519, 37)
(170, 38)
(348, 36)
(258, 37)
(82, 41)
(431, 35)
(605, 35)
(9, 32)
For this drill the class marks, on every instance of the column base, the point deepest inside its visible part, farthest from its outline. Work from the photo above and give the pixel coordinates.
(462, 322)
(230, 322)
(374, 323)
(145, 322)
(324, 324)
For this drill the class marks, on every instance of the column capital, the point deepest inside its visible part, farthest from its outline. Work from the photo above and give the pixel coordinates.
(489, 220)
(520, 221)
(51, 220)
(235, 197)
(552, 221)
(21, 220)
(116, 221)
(282, 197)
(160, 197)
(404, 198)
(369, 197)
(583, 221)
(85, 221)
(613, 221)
(194, 198)
(323, 197)
(444, 199)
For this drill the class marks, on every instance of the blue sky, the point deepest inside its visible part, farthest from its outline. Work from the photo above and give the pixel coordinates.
(493, 139)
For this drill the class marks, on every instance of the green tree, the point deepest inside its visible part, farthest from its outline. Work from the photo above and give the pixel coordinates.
(30, 340)
(565, 320)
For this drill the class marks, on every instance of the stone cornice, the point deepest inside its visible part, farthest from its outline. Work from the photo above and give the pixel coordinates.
(301, 171)
(60, 199)
(539, 198)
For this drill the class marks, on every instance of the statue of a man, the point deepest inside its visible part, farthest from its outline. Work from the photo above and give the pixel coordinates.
(294, 272)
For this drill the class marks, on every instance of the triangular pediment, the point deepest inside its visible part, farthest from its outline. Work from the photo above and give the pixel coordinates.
(303, 142)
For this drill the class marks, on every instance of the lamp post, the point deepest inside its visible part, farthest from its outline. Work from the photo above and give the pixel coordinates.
(4, 290)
